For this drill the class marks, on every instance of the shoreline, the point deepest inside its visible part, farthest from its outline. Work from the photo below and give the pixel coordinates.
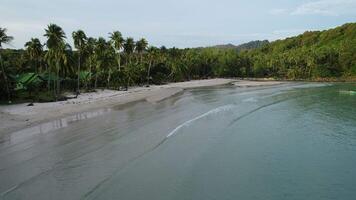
(19, 116)
(350, 79)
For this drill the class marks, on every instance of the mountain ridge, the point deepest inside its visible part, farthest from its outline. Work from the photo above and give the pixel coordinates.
(244, 46)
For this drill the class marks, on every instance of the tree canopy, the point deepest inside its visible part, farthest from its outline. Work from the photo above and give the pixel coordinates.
(117, 63)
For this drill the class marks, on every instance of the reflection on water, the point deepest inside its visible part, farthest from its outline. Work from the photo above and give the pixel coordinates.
(291, 141)
(44, 128)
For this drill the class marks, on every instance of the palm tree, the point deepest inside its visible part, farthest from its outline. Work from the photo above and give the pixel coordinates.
(67, 64)
(99, 50)
(4, 39)
(129, 47)
(56, 50)
(153, 55)
(117, 40)
(141, 46)
(90, 50)
(80, 39)
(34, 50)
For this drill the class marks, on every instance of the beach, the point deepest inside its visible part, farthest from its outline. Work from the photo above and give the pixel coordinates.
(18, 116)
(174, 138)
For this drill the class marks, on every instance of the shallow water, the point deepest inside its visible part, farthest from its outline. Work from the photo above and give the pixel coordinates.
(292, 141)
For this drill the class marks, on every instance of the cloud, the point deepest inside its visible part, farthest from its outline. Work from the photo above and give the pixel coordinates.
(320, 7)
(23, 26)
(289, 32)
(20, 28)
(326, 7)
(278, 11)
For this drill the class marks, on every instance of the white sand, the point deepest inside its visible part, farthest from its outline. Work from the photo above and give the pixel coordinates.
(256, 83)
(19, 116)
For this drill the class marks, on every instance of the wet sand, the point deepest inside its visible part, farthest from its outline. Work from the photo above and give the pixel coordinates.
(19, 116)
(237, 136)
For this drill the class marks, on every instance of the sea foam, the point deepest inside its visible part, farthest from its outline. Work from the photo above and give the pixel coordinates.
(209, 113)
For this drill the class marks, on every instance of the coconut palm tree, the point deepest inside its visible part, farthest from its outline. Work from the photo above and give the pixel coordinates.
(129, 47)
(4, 39)
(105, 60)
(99, 51)
(153, 54)
(80, 40)
(117, 41)
(141, 46)
(90, 51)
(56, 51)
(67, 64)
(34, 50)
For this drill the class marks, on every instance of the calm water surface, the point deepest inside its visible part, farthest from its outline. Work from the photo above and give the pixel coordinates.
(291, 141)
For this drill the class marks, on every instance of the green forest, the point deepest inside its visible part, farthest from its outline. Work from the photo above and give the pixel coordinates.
(43, 71)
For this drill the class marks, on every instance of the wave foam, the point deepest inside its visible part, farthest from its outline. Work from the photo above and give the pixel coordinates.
(211, 112)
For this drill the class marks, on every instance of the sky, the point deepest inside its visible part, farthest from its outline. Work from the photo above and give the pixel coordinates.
(179, 23)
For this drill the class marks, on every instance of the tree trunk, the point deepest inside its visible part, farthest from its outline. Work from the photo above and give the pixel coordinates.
(39, 66)
(36, 69)
(49, 79)
(58, 82)
(54, 84)
(5, 79)
(148, 73)
(119, 61)
(90, 73)
(86, 82)
(109, 77)
(127, 84)
(96, 80)
(78, 81)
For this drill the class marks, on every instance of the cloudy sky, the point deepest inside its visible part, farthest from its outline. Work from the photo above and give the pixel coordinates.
(180, 23)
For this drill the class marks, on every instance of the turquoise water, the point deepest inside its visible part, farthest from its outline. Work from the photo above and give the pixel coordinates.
(291, 141)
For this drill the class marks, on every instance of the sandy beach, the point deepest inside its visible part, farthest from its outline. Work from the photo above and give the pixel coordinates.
(19, 116)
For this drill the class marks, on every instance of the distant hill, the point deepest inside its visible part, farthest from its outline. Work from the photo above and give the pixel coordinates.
(328, 53)
(225, 46)
(336, 38)
(246, 46)
(252, 45)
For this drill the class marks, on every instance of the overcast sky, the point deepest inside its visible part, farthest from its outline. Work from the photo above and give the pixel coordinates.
(180, 23)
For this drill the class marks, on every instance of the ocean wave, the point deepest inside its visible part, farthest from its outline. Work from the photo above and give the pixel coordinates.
(252, 99)
(209, 113)
(311, 85)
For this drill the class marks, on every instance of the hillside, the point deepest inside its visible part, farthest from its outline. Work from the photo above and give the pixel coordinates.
(329, 53)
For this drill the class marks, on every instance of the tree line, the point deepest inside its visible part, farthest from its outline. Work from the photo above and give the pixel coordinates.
(115, 62)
